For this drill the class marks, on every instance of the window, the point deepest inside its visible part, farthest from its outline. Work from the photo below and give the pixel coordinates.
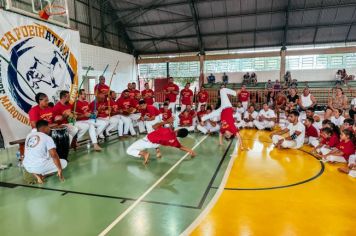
(184, 69)
(152, 70)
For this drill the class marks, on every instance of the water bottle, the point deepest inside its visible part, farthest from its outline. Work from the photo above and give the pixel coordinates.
(88, 145)
(18, 156)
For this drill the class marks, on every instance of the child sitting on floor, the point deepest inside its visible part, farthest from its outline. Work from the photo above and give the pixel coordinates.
(351, 167)
(328, 141)
(343, 150)
(311, 133)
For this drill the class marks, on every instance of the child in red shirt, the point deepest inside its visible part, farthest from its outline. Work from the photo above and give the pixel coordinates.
(328, 141)
(343, 150)
(311, 133)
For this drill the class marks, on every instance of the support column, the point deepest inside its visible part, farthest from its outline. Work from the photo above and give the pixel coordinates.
(282, 71)
(201, 76)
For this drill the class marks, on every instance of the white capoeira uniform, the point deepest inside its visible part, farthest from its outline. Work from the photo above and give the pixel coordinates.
(200, 104)
(128, 125)
(352, 160)
(249, 124)
(37, 159)
(225, 103)
(96, 128)
(114, 123)
(313, 141)
(140, 145)
(208, 127)
(148, 125)
(265, 124)
(337, 121)
(296, 143)
(78, 129)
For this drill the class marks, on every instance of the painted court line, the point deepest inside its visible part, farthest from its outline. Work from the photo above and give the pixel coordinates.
(128, 210)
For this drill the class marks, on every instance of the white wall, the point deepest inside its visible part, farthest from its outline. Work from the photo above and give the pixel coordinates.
(98, 58)
(300, 75)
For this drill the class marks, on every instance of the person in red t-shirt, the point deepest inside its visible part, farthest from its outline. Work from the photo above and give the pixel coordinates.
(102, 87)
(186, 96)
(85, 115)
(244, 97)
(127, 108)
(311, 133)
(161, 136)
(192, 114)
(186, 121)
(328, 141)
(149, 117)
(343, 150)
(210, 126)
(115, 113)
(62, 113)
(203, 97)
(103, 109)
(226, 112)
(166, 115)
(137, 93)
(148, 95)
(41, 111)
(171, 91)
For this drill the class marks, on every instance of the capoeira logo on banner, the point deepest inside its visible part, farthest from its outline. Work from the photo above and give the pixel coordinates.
(34, 59)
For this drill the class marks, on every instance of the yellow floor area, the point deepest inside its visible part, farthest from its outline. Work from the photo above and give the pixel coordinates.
(282, 192)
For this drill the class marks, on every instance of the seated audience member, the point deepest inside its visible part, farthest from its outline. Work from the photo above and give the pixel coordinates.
(269, 85)
(296, 131)
(41, 111)
(306, 100)
(280, 104)
(211, 79)
(134, 93)
(249, 117)
(338, 101)
(343, 150)
(287, 79)
(115, 113)
(127, 107)
(337, 117)
(246, 78)
(148, 95)
(266, 118)
(186, 96)
(317, 122)
(166, 115)
(328, 141)
(351, 167)
(238, 114)
(292, 100)
(352, 111)
(193, 114)
(149, 117)
(209, 126)
(243, 96)
(277, 86)
(186, 121)
(294, 83)
(202, 97)
(348, 124)
(202, 111)
(338, 77)
(171, 91)
(41, 158)
(225, 78)
(253, 78)
(311, 133)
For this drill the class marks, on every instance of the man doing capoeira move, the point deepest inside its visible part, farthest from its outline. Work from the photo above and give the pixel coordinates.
(160, 136)
(226, 112)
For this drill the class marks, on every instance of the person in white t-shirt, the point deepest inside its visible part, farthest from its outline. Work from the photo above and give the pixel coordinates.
(352, 111)
(337, 118)
(41, 158)
(296, 131)
(249, 117)
(266, 118)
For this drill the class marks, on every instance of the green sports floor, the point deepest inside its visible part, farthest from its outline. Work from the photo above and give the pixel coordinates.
(109, 192)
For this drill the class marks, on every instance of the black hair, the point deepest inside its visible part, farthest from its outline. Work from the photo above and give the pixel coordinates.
(39, 97)
(326, 121)
(349, 121)
(182, 133)
(63, 93)
(340, 111)
(334, 127)
(51, 104)
(209, 108)
(81, 91)
(350, 134)
(310, 109)
(179, 109)
(311, 119)
(141, 102)
(294, 112)
(126, 91)
(327, 130)
(165, 104)
(251, 106)
(41, 123)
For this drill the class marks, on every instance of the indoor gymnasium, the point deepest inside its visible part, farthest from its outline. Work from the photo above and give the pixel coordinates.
(177, 117)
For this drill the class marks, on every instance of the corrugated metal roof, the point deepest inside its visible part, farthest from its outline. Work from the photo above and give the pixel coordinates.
(178, 26)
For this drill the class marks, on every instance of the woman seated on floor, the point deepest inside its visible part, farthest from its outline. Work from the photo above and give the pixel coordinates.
(338, 101)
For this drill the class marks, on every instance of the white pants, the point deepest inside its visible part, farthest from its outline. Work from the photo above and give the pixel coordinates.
(286, 143)
(47, 167)
(183, 107)
(245, 105)
(135, 118)
(189, 128)
(128, 125)
(313, 141)
(352, 160)
(140, 145)
(331, 158)
(114, 123)
(225, 103)
(172, 106)
(149, 124)
(263, 124)
(76, 129)
(200, 104)
(248, 124)
(208, 128)
(95, 128)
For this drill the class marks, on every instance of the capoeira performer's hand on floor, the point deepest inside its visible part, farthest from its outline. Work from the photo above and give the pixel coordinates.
(160, 136)
(228, 130)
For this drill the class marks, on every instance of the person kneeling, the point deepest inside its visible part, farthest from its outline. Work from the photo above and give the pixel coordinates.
(39, 149)
(161, 136)
(296, 133)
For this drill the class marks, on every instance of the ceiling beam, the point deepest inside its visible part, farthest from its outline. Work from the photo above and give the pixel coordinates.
(285, 33)
(240, 32)
(223, 16)
(194, 12)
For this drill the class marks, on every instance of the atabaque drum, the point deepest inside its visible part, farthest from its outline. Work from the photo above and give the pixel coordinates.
(60, 136)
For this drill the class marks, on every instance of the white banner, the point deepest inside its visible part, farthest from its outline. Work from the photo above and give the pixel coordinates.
(35, 57)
